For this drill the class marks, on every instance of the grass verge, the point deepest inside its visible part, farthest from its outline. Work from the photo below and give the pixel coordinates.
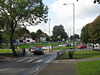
(88, 67)
(5, 51)
(82, 54)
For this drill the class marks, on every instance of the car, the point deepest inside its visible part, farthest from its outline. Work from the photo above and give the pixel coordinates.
(68, 45)
(96, 47)
(61, 45)
(32, 49)
(38, 51)
(81, 46)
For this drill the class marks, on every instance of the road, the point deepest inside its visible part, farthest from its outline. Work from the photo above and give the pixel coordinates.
(28, 65)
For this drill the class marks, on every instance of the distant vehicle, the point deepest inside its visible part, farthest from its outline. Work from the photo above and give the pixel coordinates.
(32, 49)
(61, 45)
(96, 47)
(46, 47)
(37, 50)
(81, 46)
(68, 45)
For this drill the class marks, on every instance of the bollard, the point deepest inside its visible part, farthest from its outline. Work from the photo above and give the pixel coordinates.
(57, 54)
(70, 54)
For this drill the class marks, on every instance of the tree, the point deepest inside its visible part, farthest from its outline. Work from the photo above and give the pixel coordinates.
(91, 32)
(94, 30)
(85, 34)
(59, 31)
(33, 34)
(39, 31)
(75, 37)
(17, 13)
(20, 31)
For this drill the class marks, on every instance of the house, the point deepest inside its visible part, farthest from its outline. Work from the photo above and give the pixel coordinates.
(43, 37)
(25, 38)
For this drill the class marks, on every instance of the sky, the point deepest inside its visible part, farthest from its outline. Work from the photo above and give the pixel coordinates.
(85, 12)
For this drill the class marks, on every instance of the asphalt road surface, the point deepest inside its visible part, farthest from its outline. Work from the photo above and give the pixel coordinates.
(28, 65)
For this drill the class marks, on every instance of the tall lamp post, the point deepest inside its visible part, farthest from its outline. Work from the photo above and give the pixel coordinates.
(49, 27)
(73, 23)
(49, 33)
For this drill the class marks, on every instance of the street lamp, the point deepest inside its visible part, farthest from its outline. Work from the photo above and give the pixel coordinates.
(73, 21)
(49, 33)
(49, 27)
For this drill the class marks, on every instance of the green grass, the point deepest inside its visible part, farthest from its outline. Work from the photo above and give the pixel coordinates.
(5, 51)
(88, 67)
(82, 54)
(86, 54)
(30, 45)
(62, 48)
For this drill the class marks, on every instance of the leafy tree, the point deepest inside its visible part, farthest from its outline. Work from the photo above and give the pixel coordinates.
(17, 13)
(38, 33)
(94, 31)
(33, 34)
(85, 34)
(75, 37)
(91, 32)
(59, 31)
(20, 31)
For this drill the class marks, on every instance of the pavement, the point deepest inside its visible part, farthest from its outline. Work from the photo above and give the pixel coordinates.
(59, 67)
(62, 67)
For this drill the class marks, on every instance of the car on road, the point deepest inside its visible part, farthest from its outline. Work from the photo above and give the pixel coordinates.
(32, 49)
(37, 50)
(81, 46)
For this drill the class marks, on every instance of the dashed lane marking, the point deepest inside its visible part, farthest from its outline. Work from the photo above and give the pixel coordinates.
(4, 69)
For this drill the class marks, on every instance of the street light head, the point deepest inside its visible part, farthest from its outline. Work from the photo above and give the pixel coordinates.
(64, 4)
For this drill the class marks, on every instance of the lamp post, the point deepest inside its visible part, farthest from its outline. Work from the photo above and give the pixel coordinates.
(49, 27)
(73, 22)
(49, 33)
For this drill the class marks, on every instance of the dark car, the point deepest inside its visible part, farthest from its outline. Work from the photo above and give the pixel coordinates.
(38, 51)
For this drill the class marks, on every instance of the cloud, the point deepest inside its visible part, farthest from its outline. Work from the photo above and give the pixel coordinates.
(85, 12)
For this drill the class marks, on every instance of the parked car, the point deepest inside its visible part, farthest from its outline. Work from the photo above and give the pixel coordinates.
(81, 46)
(68, 45)
(61, 45)
(96, 47)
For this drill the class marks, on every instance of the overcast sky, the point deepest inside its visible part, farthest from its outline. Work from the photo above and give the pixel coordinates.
(85, 12)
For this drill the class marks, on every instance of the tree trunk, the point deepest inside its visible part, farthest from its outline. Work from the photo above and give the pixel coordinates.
(12, 46)
(93, 45)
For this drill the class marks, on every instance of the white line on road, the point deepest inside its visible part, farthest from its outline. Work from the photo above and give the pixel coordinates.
(4, 69)
(30, 60)
(36, 69)
(21, 60)
(39, 60)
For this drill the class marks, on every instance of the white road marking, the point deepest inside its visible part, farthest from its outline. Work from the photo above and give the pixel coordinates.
(30, 60)
(39, 60)
(4, 69)
(36, 69)
(21, 60)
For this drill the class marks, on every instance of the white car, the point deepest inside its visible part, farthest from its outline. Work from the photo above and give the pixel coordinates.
(61, 45)
(97, 48)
